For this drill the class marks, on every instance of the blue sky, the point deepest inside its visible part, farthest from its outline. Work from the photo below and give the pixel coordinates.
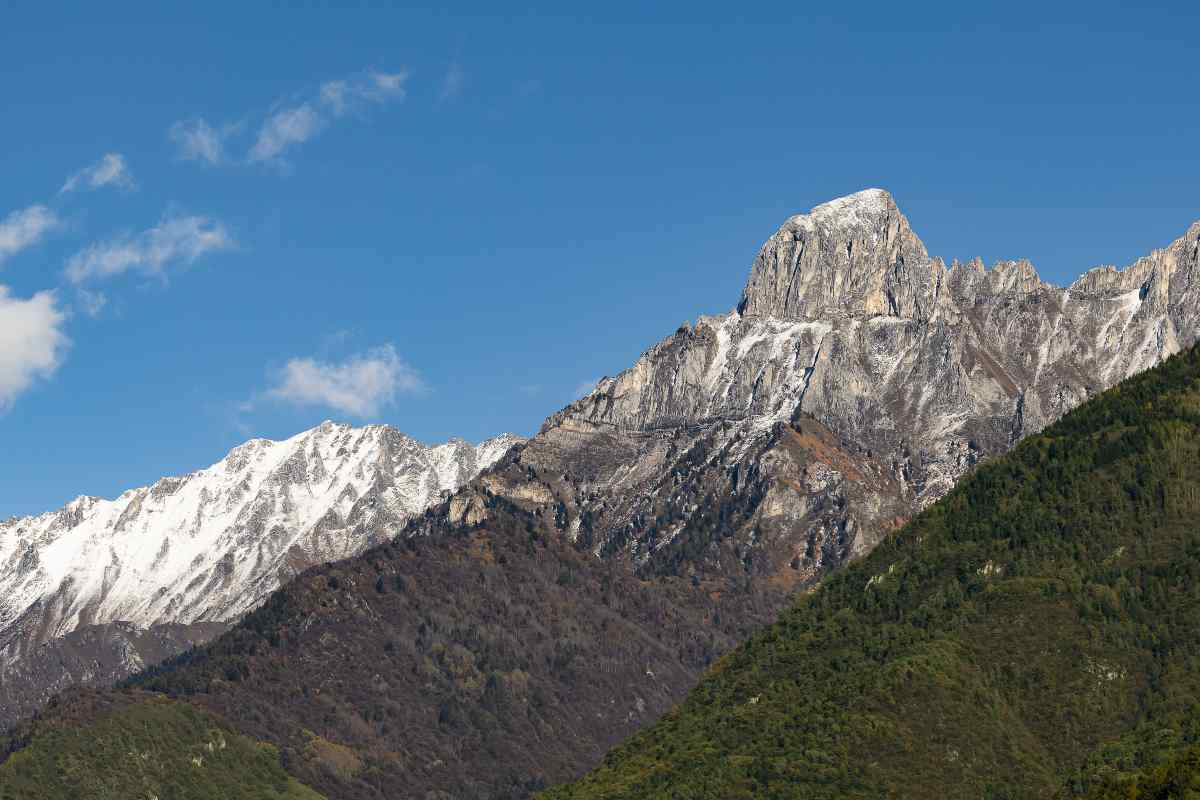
(218, 223)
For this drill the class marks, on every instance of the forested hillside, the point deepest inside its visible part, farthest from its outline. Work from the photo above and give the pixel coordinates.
(137, 745)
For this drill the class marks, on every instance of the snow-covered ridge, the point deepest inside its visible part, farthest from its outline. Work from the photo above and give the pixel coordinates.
(210, 545)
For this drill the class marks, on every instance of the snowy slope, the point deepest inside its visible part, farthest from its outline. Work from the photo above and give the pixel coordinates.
(211, 545)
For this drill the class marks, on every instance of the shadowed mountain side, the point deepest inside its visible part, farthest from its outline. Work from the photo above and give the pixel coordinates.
(486, 662)
(94, 656)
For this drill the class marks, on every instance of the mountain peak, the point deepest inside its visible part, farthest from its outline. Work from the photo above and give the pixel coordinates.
(867, 204)
(852, 256)
(857, 256)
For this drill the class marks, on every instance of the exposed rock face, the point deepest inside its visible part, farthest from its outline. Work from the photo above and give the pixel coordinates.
(96, 655)
(852, 256)
(857, 381)
(209, 546)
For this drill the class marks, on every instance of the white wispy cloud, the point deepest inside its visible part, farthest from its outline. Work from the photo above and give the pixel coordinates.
(289, 127)
(176, 241)
(111, 170)
(25, 228)
(90, 302)
(344, 95)
(336, 95)
(360, 386)
(32, 342)
(452, 82)
(387, 84)
(284, 129)
(199, 141)
(292, 123)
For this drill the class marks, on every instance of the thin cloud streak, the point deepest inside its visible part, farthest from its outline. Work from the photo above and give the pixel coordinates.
(343, 96)
(284, 129)
(176, 241)
(25, 228)
(289, 125)
(111, 170)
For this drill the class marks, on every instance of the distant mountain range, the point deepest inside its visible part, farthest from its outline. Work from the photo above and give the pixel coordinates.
(574, 590)
(130, 581)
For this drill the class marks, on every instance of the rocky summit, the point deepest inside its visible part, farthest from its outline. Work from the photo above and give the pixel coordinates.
(178, 561)
(857, 380)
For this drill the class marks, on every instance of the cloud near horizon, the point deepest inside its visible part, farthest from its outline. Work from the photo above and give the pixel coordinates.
(32, 342)
(111, 170)
(25, 228)
(174, 241)
(360, 386)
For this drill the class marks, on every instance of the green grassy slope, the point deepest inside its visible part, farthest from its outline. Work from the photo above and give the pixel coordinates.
(999, 646)
(142, 748)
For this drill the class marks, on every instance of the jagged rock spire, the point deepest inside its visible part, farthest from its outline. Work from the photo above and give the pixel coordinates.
(852, 256)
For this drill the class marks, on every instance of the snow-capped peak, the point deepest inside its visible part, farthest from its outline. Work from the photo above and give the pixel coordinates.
(210, 545)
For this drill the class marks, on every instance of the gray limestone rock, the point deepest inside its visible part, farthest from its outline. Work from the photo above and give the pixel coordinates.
(856, 382)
